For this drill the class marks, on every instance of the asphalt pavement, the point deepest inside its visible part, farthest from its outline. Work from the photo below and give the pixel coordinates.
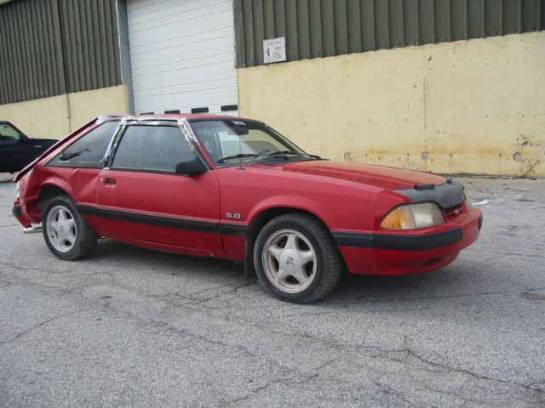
(134, 328)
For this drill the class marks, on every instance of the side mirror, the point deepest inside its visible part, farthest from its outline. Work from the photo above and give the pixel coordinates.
(192, 167)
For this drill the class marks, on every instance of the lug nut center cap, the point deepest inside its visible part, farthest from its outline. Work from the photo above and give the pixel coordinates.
(290, 260)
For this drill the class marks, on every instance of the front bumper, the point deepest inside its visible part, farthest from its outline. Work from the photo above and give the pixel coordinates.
(409, 252)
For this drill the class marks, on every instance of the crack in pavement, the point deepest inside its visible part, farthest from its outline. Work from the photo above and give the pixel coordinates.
(525, 255)
(286, 381)
(373, 351)
(358, 301)
(390, 390)
(537, 394)
(35, 327)
(198, 301)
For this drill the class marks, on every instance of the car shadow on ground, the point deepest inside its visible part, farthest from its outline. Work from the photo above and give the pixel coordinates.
(352, 290)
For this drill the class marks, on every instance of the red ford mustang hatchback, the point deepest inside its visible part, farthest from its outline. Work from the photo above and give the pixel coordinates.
(225, 187)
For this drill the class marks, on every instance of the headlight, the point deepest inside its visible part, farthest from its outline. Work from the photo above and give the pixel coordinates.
(17, 191)
(413, 216)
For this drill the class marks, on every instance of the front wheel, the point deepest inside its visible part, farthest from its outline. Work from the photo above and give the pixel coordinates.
(296, 259)
(66, 233)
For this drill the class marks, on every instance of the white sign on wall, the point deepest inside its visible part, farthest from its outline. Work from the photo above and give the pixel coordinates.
(274, 50)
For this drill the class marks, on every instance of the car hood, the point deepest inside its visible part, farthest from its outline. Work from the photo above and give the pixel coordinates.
(377, 176)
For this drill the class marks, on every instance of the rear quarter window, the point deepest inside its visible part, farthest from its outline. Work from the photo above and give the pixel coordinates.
(89, 150)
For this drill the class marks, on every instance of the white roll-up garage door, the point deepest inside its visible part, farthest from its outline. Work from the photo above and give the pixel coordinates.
(182, 55)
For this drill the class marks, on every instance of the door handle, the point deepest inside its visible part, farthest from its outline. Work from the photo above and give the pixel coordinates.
(108, 181)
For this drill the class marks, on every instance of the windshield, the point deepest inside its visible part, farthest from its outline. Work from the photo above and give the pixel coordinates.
(8, 133)
(232, 141)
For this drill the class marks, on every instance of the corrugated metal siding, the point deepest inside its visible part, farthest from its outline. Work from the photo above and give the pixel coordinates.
(52, 47)
(322, 28)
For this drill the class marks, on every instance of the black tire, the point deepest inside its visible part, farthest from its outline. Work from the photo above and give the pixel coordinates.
(329, 263)
(86, 239)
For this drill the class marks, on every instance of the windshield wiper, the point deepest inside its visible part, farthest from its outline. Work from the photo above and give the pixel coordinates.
(237, 156)
(267, 154)
(284, 154)
(296, 154)
(69, 156)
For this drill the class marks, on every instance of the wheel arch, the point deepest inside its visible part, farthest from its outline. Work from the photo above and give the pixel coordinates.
(263, 216)
(48, 190)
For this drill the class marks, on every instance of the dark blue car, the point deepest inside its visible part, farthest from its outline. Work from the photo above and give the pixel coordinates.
(17, 149)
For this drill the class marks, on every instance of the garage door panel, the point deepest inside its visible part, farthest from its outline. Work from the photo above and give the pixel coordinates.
(156, 75)
(171, 55)
(171, 33)
(193, 48)
(219, 13)
(182, 54)
(157, 12)
(186, 87)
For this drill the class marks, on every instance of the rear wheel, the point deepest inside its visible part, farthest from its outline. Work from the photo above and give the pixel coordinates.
(296, 259)
(66, 233)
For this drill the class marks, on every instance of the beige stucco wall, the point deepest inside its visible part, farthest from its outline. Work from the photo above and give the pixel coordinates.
(57, 116)
(473, 106)
(45, 118)
(89, 104)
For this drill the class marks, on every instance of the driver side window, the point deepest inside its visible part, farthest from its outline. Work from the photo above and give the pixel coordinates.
(8, 135)
(151, 148)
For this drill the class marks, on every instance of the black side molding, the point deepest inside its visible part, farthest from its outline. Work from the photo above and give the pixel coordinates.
(160, 221)
(399, 242)
(232, 229)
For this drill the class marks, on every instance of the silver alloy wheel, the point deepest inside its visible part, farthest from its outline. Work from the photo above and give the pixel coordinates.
(61, 228)
(289, 261)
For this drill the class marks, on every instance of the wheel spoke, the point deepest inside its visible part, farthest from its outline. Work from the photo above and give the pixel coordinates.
(301, 276)
(54, 236)
(54, 226)
(70, 236)
(275, 252)
(307, 256)
(281, 275)
(290, 242)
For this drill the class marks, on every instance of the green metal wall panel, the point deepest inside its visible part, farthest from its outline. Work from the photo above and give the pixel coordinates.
(321, 28)
(51, 47)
